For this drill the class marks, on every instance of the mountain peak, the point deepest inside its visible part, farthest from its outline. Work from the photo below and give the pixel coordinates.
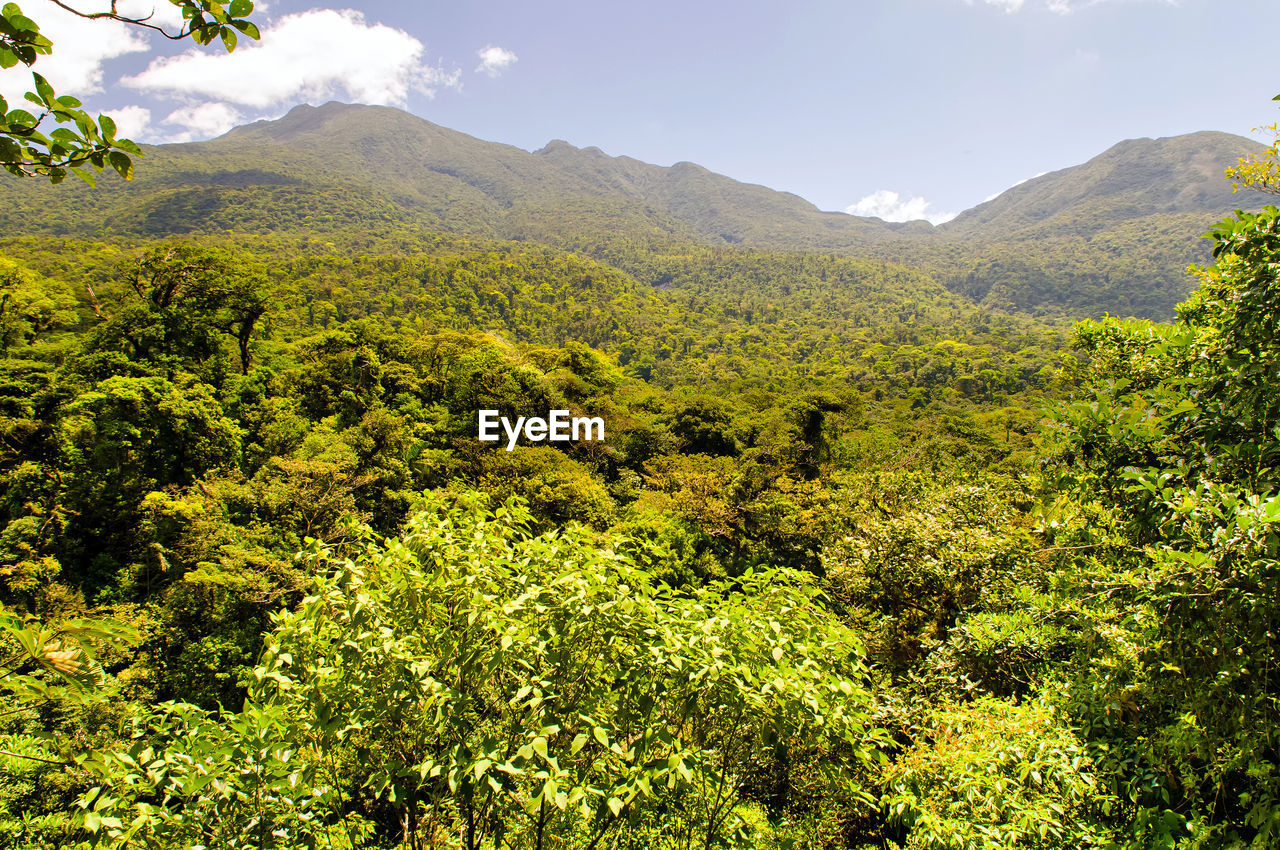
(305, 120)
(555, 146)
(1135, 177)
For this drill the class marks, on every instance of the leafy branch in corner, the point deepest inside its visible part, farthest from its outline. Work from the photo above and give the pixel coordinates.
(81, 145)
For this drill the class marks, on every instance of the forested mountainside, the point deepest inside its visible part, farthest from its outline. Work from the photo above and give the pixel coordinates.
(1112, 235)
(340, 167)
(868, 555)
(1134, 179)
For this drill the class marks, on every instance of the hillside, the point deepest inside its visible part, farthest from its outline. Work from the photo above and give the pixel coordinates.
(369, 167)
(1134, 179)
(1114, 234)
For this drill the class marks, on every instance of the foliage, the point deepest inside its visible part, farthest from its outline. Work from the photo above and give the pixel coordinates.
(657, 639)
(1168, 494)
(472, 678)
(25, 150)
(994, 774)
(35, 654)
(1259, 171)
(922, 557)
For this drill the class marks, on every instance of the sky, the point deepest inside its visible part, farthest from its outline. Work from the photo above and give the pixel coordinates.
(896, 108)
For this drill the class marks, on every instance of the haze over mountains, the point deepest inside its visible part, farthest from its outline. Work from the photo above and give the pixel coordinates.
(1113, 234)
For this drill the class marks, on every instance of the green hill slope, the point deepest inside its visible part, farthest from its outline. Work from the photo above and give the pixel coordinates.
(1112, 235)
(1134, 179)
(337, 166)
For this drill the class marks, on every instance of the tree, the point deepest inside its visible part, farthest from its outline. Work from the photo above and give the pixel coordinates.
(1173, 460)
(1261, 171)
(26, 150)
(472, 679)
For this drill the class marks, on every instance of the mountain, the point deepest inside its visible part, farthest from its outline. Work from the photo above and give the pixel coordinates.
(338, 166)
(1114, 234)
(1134, 179)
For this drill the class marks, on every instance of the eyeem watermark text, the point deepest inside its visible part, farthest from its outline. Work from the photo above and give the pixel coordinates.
(558, 427)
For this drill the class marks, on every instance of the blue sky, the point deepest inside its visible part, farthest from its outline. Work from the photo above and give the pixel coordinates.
(893, 107)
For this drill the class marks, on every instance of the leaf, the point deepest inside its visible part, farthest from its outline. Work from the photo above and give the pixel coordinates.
(108, 127)
(228, 38)
(615, 806)
(43, 88)
(122, 164)
(22, 117)
(240, 8)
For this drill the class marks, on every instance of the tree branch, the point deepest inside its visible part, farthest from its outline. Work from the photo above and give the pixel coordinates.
(34, 758)
(124, 19)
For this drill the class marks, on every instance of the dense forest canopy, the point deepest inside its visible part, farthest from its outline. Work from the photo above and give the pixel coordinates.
(873, 553)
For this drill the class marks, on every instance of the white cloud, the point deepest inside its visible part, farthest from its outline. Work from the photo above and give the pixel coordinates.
(494, 60)
(313, 55)
(132, 122)
(202, 122)
(160, 13)
(80, 46)
(1007, 5)
(890, 206)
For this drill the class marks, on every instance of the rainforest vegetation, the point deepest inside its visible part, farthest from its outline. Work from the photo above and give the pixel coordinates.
(859, 564)
(873, 555)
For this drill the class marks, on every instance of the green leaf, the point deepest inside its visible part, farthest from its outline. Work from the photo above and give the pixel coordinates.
(44, 89)
(240, 8)
(228, 38)
(22, 117)
(122, 164)
(108, 127)
(247, 28)
(615, 806)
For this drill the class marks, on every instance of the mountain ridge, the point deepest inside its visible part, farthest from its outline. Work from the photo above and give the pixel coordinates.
(350, 169)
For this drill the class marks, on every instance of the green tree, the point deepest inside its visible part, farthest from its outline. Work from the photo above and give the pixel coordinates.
(472, 679)
(1168, 504)
(1260, 171)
